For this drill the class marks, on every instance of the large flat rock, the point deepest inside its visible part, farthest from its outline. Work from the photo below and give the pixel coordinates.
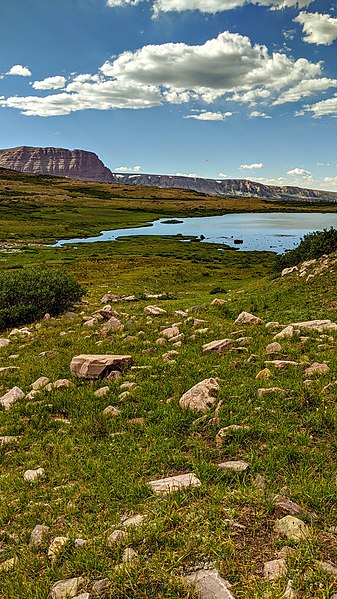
(163, 486)
(209, 584)
(91, 366)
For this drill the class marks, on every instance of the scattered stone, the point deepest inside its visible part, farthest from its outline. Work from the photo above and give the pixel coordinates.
(292, 508)
(32, 476)
(275, 569)
(273, 348)
(234, 466)
(7, 440)
(286, 333)
(289, 593)
(136, 520)
(317, 368)
(247, 318)
(4, 369)
(171, 332)
(92, 322)
(37, 534)
(40, 383)
(59, 384)
(168, 356)
(161, 341)
(227, 431)
(113, 324)
(93, 366)
(4, 342)
(9, 564)
(218, 302)
(200, 397)
(110, 297)
(288, 271)
(180, 313)
(11, 397)
(264, 374)
(114, 375)
(329, 567)
(260, 483)
(129, 555)
(20, 333)
(220, 346)
(78, 543)
(47, 354)
(128, 385)
(116, 537)
(270, 391)
(64, 589)
(209, 584)
(102, 391)
(315, 325)
(56, 547)
(164, 486)
(100, 586)
(107, 312)
(83, 596)
(154, 311)
(111, 411)
(293, 528)
(280, 364)
(71, 315)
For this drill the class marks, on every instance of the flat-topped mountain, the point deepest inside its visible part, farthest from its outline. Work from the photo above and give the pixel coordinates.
(80, 164)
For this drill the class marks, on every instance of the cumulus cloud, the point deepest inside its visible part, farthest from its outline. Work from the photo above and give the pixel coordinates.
(114, 3)
(128, 169)
(19, 70)
(323, 108)
(57, 82)
(256, 114)
(253, 166)
(305, 89)
(331, 181)
(210, 116)
(209, 6)
(227, 67)
(319, 29)
(223, 176)
(192, 175)
(299, 172)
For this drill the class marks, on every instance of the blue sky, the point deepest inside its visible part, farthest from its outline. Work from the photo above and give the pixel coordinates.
(213, 88)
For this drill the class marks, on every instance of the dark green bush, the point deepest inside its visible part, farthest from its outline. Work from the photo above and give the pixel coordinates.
(312, 245)
(27, 295)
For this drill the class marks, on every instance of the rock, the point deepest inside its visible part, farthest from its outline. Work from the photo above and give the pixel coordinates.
(20, 333)
(4, 342)
(234, 466)
(128, 385)
(317, 368)
(286, 552)
(275, 569)
(59, 384)
(264, 374)
(286, 333)
(40, 383)
(136, 520)
(209, 584)
(292, 508)
(64, 589)
(7, 440)
(270, 391)
(129, 555)
(79, 543)
(56, 547)
(218, 302)
(220, 346)
(161, 341)
(164, 486)
(227, 431)
(9, 564)
(315, 325)
(32, 476)
(93, 366)
(171, 332)
(273, 348)
(329, 567)
(71, 315)
(113, 324)
(107, 312)
(289, 593)
(154, 311)
(288, 271)
(110, 297)
(83, 596)
(92, 322)
(293, 528)
(116, 537)
(47, 354)
(102, 391)
(4, 369)
(139, 421)
(180, 313)
(200, 397)
(280, 364)
(11, 397)
(247, 318)
(111, 411)
(168, 356)
(114, 375)
(37, 534)
(100, 586)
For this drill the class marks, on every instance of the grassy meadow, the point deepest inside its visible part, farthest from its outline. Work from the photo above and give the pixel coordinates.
(97, 467)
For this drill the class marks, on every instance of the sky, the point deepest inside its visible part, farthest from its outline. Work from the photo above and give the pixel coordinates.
(210, 88)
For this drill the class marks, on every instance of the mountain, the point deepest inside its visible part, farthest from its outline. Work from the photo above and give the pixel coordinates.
(80, 164)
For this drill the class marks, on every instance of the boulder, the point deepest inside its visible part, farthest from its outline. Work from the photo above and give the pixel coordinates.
(164, 486)
(292, 528)
(273, 348)
(11, 397)
(286, 333)
(92, 366)
(65, 589)
(247, 318)
(317, 368)
(315, 325)
(200, 397)
(171, 332)
(154, 311)
(220, 346)
(209, 584)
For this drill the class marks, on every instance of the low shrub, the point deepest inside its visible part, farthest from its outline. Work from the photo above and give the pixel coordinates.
(27, 295)
(312, 245)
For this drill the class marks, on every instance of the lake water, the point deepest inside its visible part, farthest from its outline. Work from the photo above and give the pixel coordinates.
(272, 231)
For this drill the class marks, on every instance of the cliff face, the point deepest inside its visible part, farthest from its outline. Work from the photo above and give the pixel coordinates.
(80, 164)
(75, 164)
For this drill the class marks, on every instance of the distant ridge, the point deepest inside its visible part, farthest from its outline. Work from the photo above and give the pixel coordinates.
(86, 166)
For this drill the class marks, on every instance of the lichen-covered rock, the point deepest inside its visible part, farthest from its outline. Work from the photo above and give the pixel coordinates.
(200, 397)
(92, 366)
(292, 528)
(11, 397)
(65, 589)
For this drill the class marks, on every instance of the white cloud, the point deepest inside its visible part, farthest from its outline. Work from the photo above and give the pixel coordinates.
(19, 70)
(209, 116)
(227, 67)
(299, 172)
(223, 176)
(319, 29)
(114, 3)
(209, 6)
(256, 114)
(253, 166)
(192, 175)
(57, 82)
(128, 169)
(323, 108)
(331, 181)
(305, 89)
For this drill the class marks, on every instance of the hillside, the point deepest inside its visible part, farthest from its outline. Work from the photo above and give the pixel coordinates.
(84, 165)
(78, 455)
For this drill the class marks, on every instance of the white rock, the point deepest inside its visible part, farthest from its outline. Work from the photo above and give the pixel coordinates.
(65, 589)
(136, 520)
(220, 346)
(200, 397)
(33, 475)
(209, 584)
(174, 483)
(129, 555)
(116, 537)
(102, 391)
(11, 397)
(234, 466)
(171, 332)
(275, 569)
(56, 547)
(40, 383)
(154, 311)
(247, 318)
(4, 342)
(286, 333)
(288, 271)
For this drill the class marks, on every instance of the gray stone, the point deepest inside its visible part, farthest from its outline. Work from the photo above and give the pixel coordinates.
(136, 520)
(129, 555)
(315, 325)
(317, 368)
(270, 391)
(200, 397)
(100, 586)
(220, 346)
(78, 543)
(102, 391)
(275, 569)
(292, 528)
(11, 397)
(40, 383)
(171, 332)
(37, 535)
(273, 348)
(116, 537)
(64, 589)
(154, 311)
(4, 342)
(286, 333)
(165, 486)
(247, 318)
(234, 466)
(92, 366)
(209, 584)
(33, 475)
(111, 411)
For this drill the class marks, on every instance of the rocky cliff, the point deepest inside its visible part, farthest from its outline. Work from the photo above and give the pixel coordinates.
(75, 164)
(80, 164)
